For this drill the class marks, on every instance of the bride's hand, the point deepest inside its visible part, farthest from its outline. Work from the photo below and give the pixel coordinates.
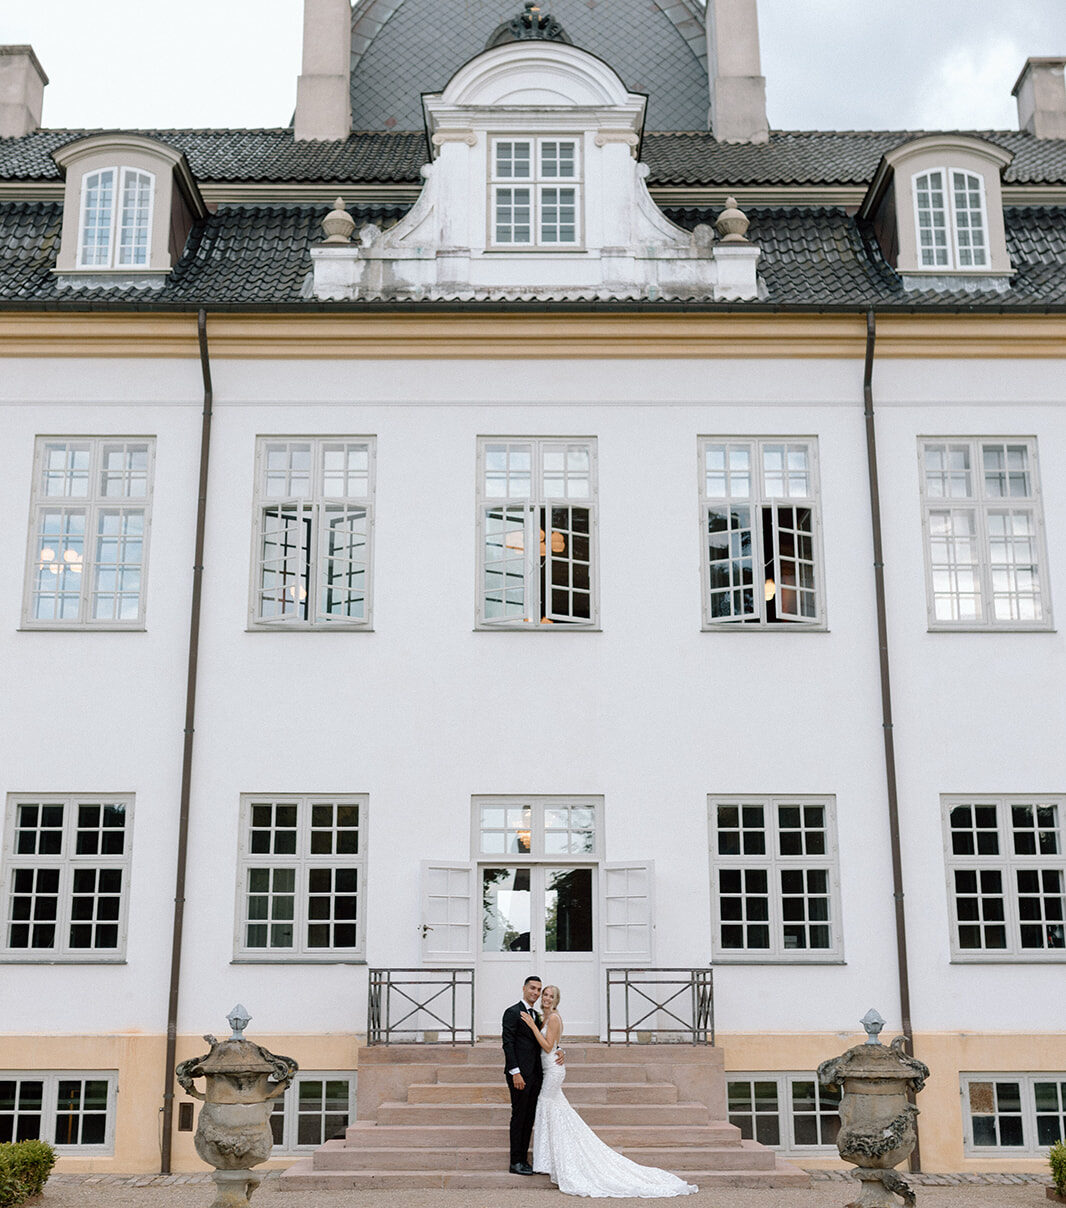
(530, 1020)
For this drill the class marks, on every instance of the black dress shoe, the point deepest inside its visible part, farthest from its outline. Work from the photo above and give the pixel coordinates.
(521, 1168)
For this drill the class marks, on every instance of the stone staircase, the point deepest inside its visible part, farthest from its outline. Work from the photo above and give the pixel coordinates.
(433, 1116)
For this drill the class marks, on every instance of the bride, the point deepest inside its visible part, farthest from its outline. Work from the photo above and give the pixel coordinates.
(564, 1146)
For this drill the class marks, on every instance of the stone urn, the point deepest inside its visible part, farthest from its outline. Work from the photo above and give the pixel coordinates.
(877, 1129)
(233, 1132)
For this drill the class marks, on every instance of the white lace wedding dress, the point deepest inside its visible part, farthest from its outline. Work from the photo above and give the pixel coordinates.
(578, 1161)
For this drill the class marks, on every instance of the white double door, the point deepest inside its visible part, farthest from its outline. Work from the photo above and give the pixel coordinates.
(563, 922)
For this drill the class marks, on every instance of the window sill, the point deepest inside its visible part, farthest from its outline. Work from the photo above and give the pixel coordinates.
(1006, 958)
(558, 628)
(777, 960)
(298, 960)
(8, 958)
(81, 627)
(991, 629)
(309, 628)
(524, 249)
(763, 628)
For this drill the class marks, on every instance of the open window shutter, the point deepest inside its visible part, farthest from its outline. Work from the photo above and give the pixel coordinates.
(627, 913)
(796, 598)
(448, 923)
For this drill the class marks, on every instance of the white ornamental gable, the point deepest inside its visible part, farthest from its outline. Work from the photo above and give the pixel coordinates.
(501, 215)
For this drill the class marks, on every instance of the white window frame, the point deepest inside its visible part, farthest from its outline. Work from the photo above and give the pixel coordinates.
(774, 863)
(303, 861)
(311, 507)
(94, 504)
(766, 562)
(117, 218)
(67, 861)
(538, 615)
(955, 253)
(1007, 864)
(288, 1107)
(536, 182)
(50, 1106)
(786, 1114)
(1031, 1146)
(983, 505)
(538, 858)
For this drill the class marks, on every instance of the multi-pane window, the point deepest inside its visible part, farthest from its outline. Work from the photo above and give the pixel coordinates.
(950, 212)
(314, 509)
(537, 859)
(535, 192)
(302, 876)
(537, 522)
(65, 882)
(1006, 877)
(72, 1111)
(774, 876)
(116, 218)
(316, 1108)
(984, 539)
(1019, 1114)
(761, 544)
(89, 538)
(785, 1111)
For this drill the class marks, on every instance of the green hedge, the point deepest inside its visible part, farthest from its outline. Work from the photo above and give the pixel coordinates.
(1057, 1161)
(24, 1170)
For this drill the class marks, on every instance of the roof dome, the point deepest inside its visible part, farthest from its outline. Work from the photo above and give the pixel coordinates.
(403, 48)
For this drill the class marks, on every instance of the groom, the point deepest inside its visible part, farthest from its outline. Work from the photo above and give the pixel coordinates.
(522, 1057)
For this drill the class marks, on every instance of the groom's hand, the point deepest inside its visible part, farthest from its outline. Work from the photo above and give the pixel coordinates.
(519, 1082)
(559, 1057)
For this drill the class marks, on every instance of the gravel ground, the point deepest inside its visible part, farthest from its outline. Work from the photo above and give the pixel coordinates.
(824, 1194)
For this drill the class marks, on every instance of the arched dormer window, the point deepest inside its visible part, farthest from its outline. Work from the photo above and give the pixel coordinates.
(116, 218)
(128, 206)
(949, 205)
(936, 207)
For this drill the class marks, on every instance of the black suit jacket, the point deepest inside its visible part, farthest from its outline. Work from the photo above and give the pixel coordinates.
(520, 1047)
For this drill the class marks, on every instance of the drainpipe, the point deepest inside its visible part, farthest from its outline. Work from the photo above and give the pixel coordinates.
(886, 706)
(186, 765)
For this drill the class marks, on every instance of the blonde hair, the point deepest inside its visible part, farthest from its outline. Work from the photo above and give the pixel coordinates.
(558, 993)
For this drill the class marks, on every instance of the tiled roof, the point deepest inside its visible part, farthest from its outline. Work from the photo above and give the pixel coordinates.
(692, 158)
(402, 48)
(244, 155)
(258, 256)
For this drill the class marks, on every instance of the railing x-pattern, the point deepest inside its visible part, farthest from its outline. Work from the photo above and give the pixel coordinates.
(421, 1006)
(645, 1005)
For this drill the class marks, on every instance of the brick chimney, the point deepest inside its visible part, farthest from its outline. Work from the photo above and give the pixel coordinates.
(22, 82)
(738, 89)
(323, 99)
(1041, 95)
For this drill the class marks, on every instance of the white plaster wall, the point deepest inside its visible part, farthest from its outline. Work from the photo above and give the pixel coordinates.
(651, 713)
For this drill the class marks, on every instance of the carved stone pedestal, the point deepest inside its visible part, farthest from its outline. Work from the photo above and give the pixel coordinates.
(235, 1187)
(880, 1188)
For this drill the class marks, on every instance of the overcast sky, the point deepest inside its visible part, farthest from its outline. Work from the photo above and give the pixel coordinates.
(829, 64)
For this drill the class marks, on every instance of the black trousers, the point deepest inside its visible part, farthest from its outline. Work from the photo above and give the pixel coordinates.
(523, 1113)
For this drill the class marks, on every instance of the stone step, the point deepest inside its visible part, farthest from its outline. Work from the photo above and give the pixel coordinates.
(716, 1134)
(335, 1155)
(577, 1093)
(301, 1176)
(490, 1053)
(593, 1114)
(592, 1072)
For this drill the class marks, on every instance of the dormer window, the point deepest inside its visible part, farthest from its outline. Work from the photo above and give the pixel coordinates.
(536, 192)
(116, 222)
(952, 228)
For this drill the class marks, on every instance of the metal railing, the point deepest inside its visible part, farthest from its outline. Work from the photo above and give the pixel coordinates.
(420, 1006)
(656, 1005)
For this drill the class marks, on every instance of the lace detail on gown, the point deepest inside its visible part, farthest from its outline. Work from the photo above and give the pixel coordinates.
(565, 1148)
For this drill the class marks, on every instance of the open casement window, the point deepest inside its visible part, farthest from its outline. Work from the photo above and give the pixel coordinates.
(984, 534)
(74, 1111)
(116, 218)
(66, 877)
(302, 881)
(775, 879)
(537, 521)
(314, 510)
(535, 192)
(949, 206)
(1013, 1114)
(627, 913)
(1006, 866)
(761, 542)
(89, 536)
(448, 926)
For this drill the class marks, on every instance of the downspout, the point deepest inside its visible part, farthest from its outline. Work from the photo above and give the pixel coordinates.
(186, 765)
(886, 707)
